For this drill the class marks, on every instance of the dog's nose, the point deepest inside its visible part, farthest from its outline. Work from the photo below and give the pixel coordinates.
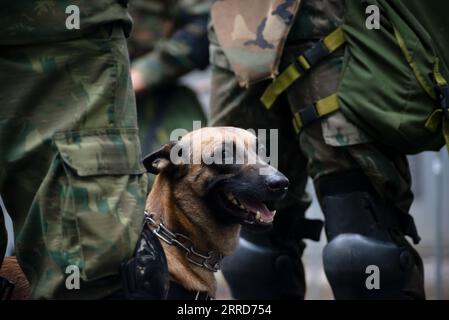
(277, 182)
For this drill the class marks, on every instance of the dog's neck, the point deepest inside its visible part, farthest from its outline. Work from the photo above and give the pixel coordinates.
(207, 236)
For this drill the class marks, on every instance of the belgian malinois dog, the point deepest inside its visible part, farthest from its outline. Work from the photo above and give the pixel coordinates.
(208, 184)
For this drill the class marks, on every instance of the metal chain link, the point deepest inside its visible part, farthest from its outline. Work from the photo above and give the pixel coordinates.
(210, 261)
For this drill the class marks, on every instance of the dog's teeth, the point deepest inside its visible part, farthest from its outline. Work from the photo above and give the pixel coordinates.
(273, 212)
(258, 216)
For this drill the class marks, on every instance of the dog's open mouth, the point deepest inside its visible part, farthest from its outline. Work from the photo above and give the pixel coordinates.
(251, 211)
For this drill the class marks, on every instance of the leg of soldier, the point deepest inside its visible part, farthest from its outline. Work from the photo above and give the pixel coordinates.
(364, 192)
(163, 109)
(265, 265)
(73, 183)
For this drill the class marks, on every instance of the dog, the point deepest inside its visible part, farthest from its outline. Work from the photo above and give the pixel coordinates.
(196, 206)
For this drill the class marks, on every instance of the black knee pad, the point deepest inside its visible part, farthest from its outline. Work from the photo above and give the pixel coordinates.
(268, 265)
(365, 232)
(261, 272)
(359, 267)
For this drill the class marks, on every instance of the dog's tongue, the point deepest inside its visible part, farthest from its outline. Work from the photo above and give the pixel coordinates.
(255, 206)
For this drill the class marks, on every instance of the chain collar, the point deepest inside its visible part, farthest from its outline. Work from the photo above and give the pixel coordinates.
(210, 260)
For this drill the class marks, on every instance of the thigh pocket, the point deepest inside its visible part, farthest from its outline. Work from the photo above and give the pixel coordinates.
(102, 197)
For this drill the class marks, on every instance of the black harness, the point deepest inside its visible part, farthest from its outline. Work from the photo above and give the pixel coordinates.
(145, 275)
(6, 289)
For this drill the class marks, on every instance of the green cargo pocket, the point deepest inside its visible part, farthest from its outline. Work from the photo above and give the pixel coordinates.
(102, 192)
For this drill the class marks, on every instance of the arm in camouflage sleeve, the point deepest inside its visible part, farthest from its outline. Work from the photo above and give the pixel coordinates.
(187, 48)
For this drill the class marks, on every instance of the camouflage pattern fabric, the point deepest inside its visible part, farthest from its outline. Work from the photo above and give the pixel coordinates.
(164, 109)
(316, 20)
(169, 39)
(39, 21)
(330, 147)
(71, 176)
(246, 29)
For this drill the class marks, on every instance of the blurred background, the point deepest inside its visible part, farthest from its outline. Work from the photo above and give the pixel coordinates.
(430, 209)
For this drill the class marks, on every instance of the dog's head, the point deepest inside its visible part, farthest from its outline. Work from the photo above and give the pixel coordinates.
(222, 172)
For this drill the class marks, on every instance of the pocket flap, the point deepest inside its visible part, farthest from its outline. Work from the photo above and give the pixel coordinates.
(102, 151)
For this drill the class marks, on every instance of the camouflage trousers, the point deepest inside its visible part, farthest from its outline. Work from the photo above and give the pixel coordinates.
(163, 109)
(70, 170)
(308, 154)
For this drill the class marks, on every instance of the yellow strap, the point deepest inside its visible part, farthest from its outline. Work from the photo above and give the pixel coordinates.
(327, 105)
(279, 85)
(332, 42)
(439, 79)
(323, 107)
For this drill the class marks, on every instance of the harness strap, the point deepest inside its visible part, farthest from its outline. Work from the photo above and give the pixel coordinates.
(302, 64)
(316, 111)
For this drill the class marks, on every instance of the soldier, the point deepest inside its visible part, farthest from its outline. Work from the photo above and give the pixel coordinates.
(70, 171)
(169, 39)
(363, 187)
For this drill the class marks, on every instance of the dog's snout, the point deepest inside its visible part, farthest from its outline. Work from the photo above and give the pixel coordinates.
(277, 182)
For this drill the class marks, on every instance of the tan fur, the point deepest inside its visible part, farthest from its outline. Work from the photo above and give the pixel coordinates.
(207, 236)
(180, 207)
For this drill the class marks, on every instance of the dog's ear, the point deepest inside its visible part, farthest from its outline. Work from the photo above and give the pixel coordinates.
(159, 160)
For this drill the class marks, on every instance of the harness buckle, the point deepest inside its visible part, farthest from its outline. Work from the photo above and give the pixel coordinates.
(308, 115)
(316, 53)
(298, 66)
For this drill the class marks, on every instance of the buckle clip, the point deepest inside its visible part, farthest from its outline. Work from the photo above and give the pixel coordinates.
(308, 115)
(316, 53)
(298, 66)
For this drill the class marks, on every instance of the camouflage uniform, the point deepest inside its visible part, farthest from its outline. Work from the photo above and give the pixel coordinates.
(169, 39)
(70, 170)
(323, 149)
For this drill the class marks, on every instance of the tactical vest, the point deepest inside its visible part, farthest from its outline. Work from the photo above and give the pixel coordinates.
(393, 84)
